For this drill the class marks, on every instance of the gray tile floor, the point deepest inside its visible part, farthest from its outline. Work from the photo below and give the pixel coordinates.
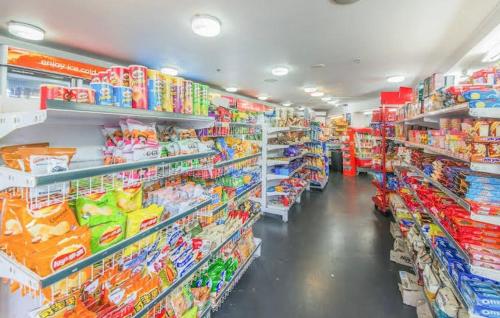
(330, 260)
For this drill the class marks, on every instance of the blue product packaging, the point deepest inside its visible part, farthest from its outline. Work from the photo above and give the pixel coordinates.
(122, 96)
(103, 93)
(489, 103)
(154, 95)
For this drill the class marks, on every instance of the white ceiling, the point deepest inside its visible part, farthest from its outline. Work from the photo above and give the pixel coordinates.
(413, 38)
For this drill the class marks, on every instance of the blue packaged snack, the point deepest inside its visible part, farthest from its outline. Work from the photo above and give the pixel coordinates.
(154, 95)
(122, 96)
(478, 94)
(103, 93)
(489, 103)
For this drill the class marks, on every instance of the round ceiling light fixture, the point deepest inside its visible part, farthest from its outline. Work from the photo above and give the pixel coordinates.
(310, 89)
(317, 94)
(286, 104)
(325, 99)
(169, 71)
(231, 89)
(280, 71)
(263, 97)
(396, 79)
(26, 31)
(205, 25)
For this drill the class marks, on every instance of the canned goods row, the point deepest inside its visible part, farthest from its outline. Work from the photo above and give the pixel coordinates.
(99, 94)
(138, 87)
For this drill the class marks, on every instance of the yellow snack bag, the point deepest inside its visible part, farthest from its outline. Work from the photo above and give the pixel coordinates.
(140, 220)
(129, 199)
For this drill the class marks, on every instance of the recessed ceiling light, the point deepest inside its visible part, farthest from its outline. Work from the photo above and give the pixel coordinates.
(231, 89)
(333, 102)
(263, 97)
(395, 79)
(317, 94)
(325, 99)
(279, 71)
(310, 89)
(286, 104)
(169, 71)
(205, 25)
(26, 31)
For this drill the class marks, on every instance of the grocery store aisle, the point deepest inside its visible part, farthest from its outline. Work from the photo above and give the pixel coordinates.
(330, 260)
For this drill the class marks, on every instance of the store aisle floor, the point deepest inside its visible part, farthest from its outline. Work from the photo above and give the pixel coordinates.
(330, 260)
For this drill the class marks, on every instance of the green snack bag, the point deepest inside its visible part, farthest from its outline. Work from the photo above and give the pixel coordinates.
(107, 234)
(191, 313)
(97, 209)
(231, 265)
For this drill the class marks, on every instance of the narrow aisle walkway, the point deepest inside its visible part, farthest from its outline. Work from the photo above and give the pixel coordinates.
(330, 260)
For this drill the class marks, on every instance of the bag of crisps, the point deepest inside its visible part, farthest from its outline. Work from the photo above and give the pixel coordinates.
(43, 224)
(140, 220)
(96, 209)
(129, 199)
(48, 257)
(107, 234)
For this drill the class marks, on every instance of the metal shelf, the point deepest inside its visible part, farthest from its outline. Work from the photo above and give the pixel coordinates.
(276, 147)
(431, 248)
(462, 252)
(96, 114)
(457, 110)
(240, 271)
(287, 160)
(23, 274)
(319, 185)
(493, 167)
(12, 121)
(442, 188)
(272, 176)
(229, 162)
(193, 270)
(15, 178)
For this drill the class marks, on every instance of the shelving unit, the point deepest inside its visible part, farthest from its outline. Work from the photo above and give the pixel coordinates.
(457, 292)
(269, 178)
(88, 175)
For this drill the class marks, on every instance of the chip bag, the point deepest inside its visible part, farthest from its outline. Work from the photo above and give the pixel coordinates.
(107, 234)
(140, 220)
(48, 257)
(97, 209)
(129, 199)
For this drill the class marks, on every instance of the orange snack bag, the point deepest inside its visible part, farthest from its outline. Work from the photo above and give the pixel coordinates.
(11, 157)
(48, 257)
(45, 223)
(44, 160)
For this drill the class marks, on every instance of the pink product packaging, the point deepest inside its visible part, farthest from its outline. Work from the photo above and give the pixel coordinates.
(138, 84)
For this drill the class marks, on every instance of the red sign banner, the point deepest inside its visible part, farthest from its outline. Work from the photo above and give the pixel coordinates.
(245, 105)
(42, 62)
